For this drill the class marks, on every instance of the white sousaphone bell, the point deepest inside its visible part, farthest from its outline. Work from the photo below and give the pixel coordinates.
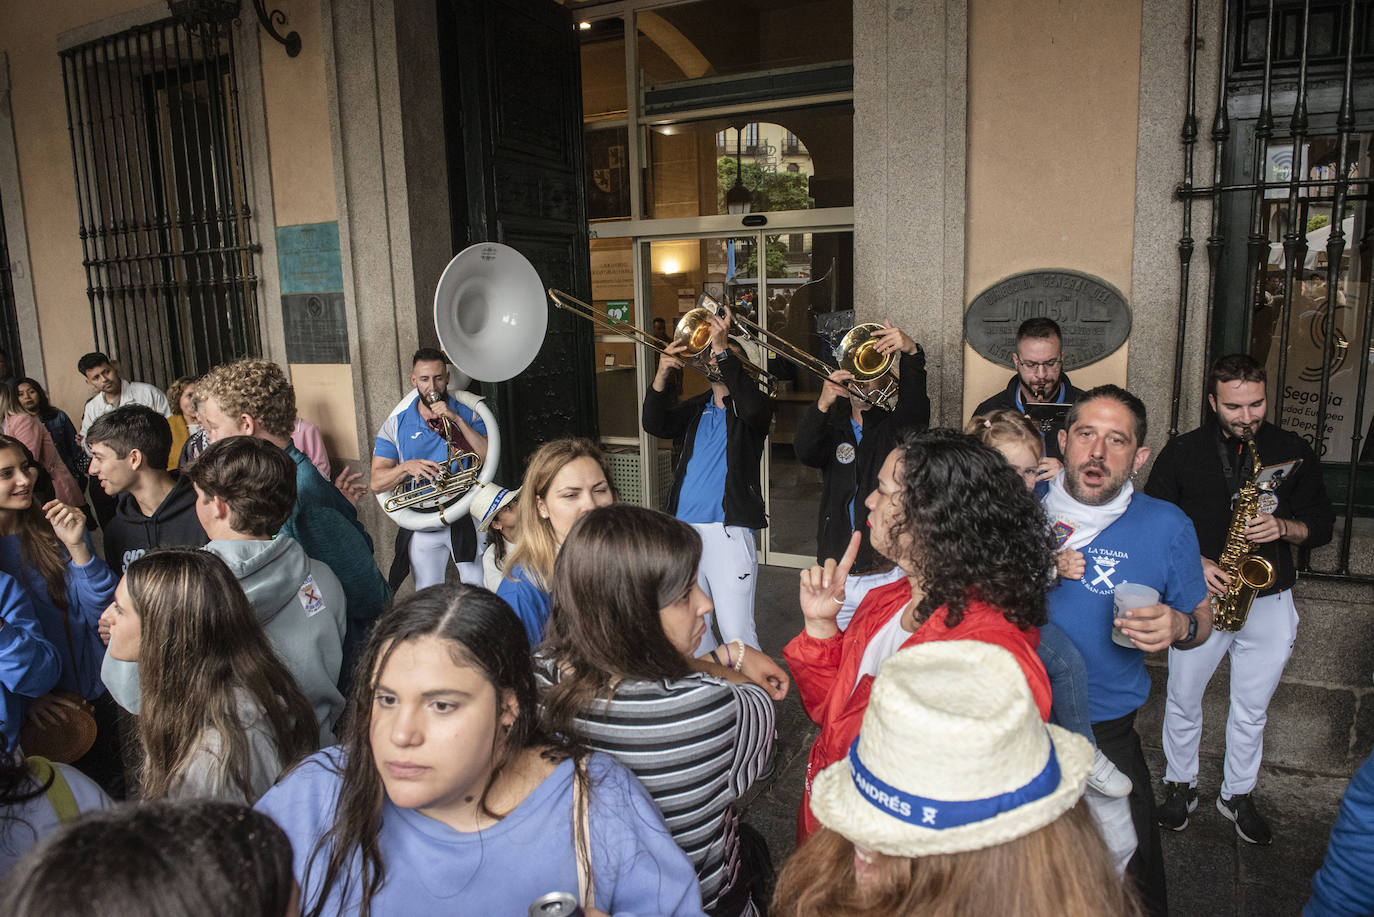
(490, 315)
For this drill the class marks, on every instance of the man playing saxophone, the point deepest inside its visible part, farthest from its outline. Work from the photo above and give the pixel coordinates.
(1204, 472)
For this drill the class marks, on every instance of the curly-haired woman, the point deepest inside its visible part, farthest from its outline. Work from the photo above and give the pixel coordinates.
(973, 542)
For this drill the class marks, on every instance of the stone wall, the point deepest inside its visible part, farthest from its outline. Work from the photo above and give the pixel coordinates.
(1321, 720)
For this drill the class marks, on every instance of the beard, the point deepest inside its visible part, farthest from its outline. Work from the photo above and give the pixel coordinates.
(1103, 490)
(1041, 389)
(1239, 430)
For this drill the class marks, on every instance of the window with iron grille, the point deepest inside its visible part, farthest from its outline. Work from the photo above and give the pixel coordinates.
(9, 320)
(1290, 243)
(171, 266)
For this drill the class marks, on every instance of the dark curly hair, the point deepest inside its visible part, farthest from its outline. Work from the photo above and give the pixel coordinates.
(976, 532)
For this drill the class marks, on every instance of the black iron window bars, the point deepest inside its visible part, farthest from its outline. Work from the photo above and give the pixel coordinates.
(171, 266)
(1297, 45)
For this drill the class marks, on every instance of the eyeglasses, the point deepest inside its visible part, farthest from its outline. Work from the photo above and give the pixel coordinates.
(1033, 366)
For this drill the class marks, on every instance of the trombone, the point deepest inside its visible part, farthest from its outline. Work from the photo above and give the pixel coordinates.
(856, 353)
(693, 331)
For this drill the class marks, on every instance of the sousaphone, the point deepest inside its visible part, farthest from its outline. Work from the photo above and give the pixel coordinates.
(490, 316)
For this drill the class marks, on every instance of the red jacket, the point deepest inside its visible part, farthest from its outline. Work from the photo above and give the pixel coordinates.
(824, 671)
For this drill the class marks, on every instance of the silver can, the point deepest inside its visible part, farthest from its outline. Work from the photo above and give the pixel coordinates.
(556, 904)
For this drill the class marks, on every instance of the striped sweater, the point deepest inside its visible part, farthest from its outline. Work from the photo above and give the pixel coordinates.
(697, 745)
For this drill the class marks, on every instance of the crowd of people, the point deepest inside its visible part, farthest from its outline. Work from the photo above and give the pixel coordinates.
(573, 708)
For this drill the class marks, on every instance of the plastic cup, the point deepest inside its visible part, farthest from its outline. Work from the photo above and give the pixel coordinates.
(1126, 597)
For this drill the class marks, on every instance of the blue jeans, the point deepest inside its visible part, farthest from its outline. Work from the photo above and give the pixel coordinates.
(1068, 681)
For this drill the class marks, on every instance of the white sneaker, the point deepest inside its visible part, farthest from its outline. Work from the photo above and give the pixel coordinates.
(1107, 780)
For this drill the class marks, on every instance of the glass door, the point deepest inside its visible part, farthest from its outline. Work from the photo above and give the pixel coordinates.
(799, 295)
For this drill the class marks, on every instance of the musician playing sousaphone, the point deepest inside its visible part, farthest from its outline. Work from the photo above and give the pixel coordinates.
(847, 438)
(1208, 473)
(414, 444)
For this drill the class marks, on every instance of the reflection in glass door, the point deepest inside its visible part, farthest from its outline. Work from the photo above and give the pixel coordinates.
(1314, 317)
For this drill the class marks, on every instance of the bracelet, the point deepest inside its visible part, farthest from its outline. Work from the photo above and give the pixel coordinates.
(739, 663)
(728, 663)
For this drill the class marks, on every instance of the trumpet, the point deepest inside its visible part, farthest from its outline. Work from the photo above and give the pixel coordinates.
(857, 353)
(693, 332)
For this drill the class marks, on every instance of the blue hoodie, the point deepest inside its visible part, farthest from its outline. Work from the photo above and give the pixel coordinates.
(29, 665)
(89, 590)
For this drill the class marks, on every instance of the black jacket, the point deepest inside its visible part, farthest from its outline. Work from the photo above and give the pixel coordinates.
(825, 440)
(748, 415)
(130, 534)
(1189, 473)
(1006, 399)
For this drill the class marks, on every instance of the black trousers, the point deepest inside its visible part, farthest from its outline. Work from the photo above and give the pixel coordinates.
(1118, 740)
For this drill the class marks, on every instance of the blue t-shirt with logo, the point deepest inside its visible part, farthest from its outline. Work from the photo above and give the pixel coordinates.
(702, 498)
(1153, 543)
(405, 435)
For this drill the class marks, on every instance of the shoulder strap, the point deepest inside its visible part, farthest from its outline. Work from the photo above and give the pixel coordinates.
(59, 792)
(582, 841)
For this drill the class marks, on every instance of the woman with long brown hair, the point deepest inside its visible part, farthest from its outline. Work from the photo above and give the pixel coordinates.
(44, 546)
(620, 672)
(220, 715)
(29, 430)
(565, 480)
(447, 796)
(954, 799)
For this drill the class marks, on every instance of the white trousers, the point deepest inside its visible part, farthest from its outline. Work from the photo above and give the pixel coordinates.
(1259, 651)
(729, 569)
(430, 553)
(856, 587)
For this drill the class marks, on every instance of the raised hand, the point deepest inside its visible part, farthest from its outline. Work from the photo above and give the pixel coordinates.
(822, 591)
(350, 484)
(893, 339)
(69, 525)
(1070, 564)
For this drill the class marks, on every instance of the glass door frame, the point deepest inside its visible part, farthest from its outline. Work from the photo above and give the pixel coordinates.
(643, 232)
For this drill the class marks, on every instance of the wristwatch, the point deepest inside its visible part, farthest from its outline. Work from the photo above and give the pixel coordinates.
(1192, 630)
(721, 357)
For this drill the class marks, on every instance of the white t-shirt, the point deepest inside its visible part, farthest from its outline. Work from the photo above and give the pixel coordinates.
(25, 824)
(131, 393)
(884, 643)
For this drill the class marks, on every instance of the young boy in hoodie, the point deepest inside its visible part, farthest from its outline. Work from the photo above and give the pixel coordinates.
(245, 488)
(254, 398)
(155, 509)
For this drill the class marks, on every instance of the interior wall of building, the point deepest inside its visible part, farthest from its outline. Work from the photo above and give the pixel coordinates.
(1053, 96)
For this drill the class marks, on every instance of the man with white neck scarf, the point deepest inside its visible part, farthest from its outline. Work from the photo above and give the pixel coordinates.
(1123, 536)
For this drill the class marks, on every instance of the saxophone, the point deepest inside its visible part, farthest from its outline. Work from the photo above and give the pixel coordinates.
(1249, 571)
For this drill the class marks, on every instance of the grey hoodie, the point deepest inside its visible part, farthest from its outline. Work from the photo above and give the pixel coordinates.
(301, 606)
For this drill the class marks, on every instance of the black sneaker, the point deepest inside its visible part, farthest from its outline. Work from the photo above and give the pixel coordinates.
(1250, 825)
(1179, 800)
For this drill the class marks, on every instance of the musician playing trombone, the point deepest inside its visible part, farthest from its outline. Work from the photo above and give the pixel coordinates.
(719, 436)
(848, 438)
(414, 443)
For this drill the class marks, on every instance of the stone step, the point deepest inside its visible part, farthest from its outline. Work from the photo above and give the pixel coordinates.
(1321, 718)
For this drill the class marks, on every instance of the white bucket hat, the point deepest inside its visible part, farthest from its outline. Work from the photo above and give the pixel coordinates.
(490, 500)
(952, 756)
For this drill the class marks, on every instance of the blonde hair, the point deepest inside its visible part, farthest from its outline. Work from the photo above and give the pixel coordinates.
(253, 387)
(1061, 870)
(536, 548)
(1006, 426)
(9, 403)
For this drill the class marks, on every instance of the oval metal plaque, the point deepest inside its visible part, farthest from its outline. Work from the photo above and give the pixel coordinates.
(1092, 314)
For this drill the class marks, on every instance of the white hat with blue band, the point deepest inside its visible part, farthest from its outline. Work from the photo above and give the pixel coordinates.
(952, 756)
